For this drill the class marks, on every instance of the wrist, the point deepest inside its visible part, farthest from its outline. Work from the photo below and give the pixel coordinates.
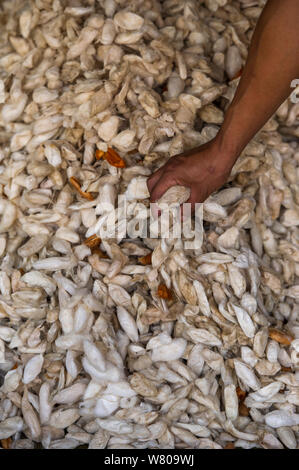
(231, 138)
(226, 151)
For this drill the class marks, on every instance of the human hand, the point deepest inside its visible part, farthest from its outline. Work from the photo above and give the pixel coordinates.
(203, 169)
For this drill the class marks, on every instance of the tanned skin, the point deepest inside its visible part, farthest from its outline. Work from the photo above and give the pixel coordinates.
(272, 64)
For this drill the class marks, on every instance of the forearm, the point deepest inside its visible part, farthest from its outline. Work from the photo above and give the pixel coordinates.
(272, 63)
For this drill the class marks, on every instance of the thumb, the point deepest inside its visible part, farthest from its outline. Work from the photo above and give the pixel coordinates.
(161, 187)
(192, 200)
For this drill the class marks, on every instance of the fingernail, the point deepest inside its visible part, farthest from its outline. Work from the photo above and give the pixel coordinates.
(155, 211)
